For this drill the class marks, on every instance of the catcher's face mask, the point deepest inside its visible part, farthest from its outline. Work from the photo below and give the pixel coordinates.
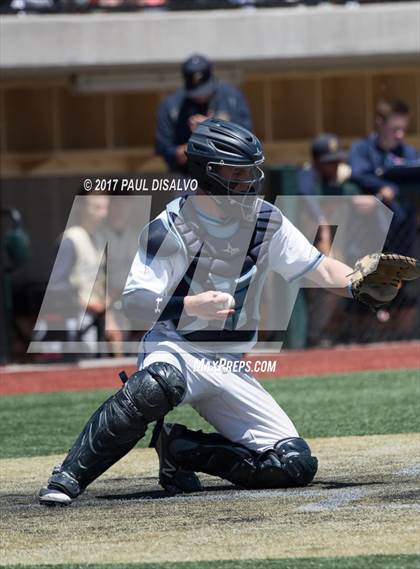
(242, 183)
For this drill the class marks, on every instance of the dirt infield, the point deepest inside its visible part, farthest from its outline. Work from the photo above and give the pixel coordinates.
(404, 355)
(363, 501)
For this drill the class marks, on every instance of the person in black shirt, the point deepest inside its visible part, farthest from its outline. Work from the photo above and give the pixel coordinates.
(202, 97)
(326, 175)
(370, 158)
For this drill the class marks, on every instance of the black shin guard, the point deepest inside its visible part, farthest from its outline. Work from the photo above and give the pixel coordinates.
(110, 433)
(214, 454)
(289, 464)
(116, 427)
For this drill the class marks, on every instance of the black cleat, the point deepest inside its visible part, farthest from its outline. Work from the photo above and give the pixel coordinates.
(52, 497)
(171, 476)
(62, 489)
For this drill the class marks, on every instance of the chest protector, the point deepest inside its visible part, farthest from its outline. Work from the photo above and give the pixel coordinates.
(237, 265)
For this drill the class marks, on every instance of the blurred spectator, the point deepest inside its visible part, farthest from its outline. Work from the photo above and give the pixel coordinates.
(123, 5)
(49, 6)
(122, 244)
(33, 6)
(327, 175)
(372, 156)
(14, 253)
(76, 266)
(203, 96)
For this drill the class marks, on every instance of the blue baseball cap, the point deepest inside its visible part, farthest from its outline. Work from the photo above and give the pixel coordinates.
(198, 76)
(327, 148)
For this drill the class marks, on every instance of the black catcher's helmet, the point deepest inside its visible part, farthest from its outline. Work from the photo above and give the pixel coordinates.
(224, 158)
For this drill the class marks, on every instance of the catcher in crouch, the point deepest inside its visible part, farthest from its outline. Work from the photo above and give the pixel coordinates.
(197, 278)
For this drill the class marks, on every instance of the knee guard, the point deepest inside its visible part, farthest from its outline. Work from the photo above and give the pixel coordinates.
(289, 464)
(116, 427)
(156, 390)
(296, 459)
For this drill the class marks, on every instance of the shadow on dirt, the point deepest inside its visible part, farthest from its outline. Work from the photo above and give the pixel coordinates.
(332, 484)
(159, 494)
(413, 495)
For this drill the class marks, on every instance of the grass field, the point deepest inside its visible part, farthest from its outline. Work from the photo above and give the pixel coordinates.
(367, 403)
(361, 512)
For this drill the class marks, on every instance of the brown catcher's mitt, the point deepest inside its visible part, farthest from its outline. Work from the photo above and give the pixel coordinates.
(377, 278)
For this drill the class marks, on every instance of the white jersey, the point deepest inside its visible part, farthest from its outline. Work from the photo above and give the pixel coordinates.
(159, 276)
(232, 401)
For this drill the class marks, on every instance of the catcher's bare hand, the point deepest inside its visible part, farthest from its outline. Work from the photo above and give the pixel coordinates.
(377, 278)
(210, 305)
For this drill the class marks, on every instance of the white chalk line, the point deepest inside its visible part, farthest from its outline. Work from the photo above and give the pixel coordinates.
(337, 499)
(411, 470)
(342, 497)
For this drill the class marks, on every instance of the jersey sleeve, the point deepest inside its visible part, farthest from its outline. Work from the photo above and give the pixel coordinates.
(148, 293)
(290, 253)
(156, 276)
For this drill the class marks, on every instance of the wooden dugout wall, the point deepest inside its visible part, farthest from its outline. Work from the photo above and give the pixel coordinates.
(47, 129)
